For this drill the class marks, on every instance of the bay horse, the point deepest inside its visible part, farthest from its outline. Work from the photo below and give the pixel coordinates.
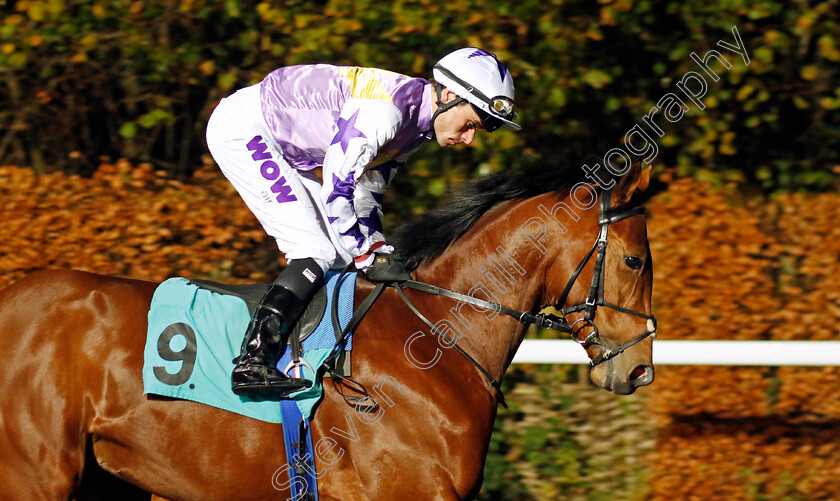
(72, 395)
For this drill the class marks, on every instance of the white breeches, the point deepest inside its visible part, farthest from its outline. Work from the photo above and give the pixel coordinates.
(286, 201)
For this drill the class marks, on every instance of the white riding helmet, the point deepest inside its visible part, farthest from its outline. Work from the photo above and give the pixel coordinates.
(476, 76)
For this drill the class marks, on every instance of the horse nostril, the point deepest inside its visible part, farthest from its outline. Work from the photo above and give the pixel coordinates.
(642, 375)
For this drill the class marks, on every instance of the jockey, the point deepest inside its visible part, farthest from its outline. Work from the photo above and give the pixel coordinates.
(360, 125)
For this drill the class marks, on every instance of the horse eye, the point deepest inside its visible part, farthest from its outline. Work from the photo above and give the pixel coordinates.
(633, 262)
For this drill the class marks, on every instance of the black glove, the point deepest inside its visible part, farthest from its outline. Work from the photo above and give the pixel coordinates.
(387, 268)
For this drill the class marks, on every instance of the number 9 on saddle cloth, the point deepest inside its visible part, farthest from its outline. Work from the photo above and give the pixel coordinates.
(195, 331)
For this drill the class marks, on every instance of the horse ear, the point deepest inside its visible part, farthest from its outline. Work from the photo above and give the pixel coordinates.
(644, 181)
(635, 180)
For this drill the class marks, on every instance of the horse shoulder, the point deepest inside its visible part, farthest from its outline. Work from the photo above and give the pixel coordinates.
(436, 419)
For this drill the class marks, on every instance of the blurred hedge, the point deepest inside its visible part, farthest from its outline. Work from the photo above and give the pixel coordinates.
(728, 268)
(132, 221)
(138, 79)
(725, 268)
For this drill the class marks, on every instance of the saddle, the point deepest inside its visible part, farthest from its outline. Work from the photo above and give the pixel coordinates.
(305, 326)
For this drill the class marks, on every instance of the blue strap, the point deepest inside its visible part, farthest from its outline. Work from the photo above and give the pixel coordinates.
(301, 457)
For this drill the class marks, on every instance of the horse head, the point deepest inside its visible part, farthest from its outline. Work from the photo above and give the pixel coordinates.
(530, 238)
(606, 298)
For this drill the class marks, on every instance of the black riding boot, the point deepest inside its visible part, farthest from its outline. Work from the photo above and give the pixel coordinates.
(255, 374)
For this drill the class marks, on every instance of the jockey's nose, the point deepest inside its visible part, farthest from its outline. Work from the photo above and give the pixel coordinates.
(467, 137)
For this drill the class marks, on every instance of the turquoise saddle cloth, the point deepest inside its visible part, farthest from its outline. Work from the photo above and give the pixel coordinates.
(194, 334)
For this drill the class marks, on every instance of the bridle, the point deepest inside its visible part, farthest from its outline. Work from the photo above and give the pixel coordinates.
(606, 217)
(595, 298)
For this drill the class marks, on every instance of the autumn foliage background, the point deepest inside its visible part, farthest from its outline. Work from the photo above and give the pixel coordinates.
(743, 227)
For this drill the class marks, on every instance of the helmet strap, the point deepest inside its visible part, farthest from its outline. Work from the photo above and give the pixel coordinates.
(441, 107)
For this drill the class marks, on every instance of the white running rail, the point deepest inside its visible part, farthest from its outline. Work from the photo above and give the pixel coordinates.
(761, 353)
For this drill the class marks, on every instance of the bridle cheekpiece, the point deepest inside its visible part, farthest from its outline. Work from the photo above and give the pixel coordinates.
(595, 298)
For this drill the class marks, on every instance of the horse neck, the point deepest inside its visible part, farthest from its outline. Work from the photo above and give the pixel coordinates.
(498, 262)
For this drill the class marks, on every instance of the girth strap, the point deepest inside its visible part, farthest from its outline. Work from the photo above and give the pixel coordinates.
(300, 454)
(341, 334)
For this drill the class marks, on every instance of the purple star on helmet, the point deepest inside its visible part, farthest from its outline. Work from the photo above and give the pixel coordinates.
(346, 131)
(481, 52)
(342, 188)
(372, 221)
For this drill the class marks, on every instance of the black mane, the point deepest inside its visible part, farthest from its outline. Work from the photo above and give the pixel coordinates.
(428, 236)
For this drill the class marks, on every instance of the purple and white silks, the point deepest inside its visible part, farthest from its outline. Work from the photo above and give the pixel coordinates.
(359, 124)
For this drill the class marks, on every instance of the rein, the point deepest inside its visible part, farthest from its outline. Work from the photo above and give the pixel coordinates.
(495, 384)
(340, 333)
(594, 299)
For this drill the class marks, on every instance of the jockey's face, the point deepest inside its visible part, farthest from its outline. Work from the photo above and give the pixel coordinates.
(457, 124)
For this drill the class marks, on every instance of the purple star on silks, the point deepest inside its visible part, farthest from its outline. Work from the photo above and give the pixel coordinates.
(481, 52)
(342, 188)
(354, 232)
(387, 170)
(346, 131)
(372, 221)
